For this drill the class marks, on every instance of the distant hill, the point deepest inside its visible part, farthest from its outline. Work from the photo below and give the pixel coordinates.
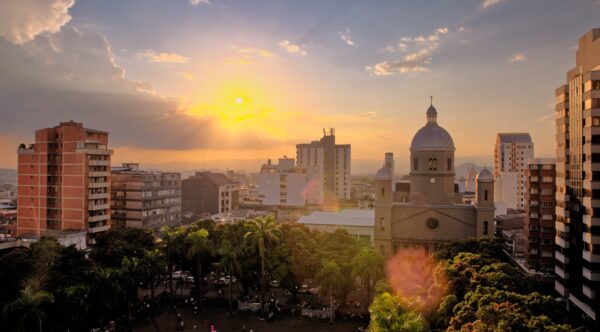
(8, 176)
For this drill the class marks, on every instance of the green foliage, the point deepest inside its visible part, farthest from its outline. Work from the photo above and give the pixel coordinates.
(387, 314)
(27, 312)
(112, 246)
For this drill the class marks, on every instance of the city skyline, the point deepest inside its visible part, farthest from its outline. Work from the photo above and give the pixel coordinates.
(216, 84)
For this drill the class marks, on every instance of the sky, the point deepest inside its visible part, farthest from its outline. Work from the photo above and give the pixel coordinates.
(190, 84)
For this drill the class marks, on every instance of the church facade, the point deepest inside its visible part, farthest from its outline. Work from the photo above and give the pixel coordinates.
(429, 211)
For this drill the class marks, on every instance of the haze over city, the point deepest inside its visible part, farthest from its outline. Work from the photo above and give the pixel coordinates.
(227, 84)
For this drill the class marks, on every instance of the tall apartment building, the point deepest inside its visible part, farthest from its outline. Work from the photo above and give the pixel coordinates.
(578, 181)
(208, 192)
(328, 165)
(64, 181)
(145, 199)
(511, 155)
(541, 214)
(283, 184)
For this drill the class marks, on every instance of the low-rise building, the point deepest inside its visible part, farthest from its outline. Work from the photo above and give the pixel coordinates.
(358, 222)
(145, 199)
(283, 184)
(209, 192)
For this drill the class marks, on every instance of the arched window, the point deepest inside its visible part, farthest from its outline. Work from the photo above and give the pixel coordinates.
(449, 164)
(485, 195)
(416, 164)
(382, 192)
(485, 228)
(382, 224)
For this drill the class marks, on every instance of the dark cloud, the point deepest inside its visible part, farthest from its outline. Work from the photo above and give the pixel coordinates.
(72, 75)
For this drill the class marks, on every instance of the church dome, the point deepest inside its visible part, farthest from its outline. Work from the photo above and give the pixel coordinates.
(485, 176)
(384, 173)
(432, 136)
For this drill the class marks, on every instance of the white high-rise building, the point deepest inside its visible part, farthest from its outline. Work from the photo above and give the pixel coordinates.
(286, 185)
(329, 166)
(511, 157)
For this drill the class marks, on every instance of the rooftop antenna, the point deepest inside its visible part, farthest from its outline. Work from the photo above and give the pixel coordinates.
(431, 99)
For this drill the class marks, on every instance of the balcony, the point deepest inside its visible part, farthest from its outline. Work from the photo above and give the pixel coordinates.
(561, 242)
(98, 229)
(590, 257)
(98, 163)
(562, 227)
(592, 276)
(99, 196)
(98, 218)
(591, 239)
(99, 174)
(98, 185)
(561, 258)
(591, 221)
(561, 273)
(588, 292)
(560, 289)
(95, 207)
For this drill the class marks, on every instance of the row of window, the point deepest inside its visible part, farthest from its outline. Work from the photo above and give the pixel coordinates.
(432, 164)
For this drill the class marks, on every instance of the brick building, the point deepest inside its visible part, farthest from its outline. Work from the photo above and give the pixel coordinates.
(541, 215)
(208, 192)
(64, 181)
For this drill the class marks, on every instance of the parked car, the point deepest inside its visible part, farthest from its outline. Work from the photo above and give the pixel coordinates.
(190, 279)
(303, 289)
(274, 283)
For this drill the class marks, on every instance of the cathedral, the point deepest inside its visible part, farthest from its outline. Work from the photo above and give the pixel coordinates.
(429, 210)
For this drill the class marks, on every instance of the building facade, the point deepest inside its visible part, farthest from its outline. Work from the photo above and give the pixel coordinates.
(64, 181)
(577, 253)
(283, 184)
(209, 193)
(541, 214)
(329, 168)
(431, 213)
(511, 156)
(145, 199)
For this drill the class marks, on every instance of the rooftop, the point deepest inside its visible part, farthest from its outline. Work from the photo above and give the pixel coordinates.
(346, 217)
(514, 138)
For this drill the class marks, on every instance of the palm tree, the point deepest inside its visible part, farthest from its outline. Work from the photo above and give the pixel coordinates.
(262, 232)
(231, 265)
(199, 244)
(26, 311)
(130, 272)
(153, 266)
(172, 246)
(329, 278)
(368, 265)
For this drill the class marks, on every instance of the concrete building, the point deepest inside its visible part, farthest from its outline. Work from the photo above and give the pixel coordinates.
(209, 193)
(511, 156)
(541, 214)
(283, 184)
(64, 181)
(431, 212)
(358, 222)
(329, 168)
(578, 182)
(145, 199)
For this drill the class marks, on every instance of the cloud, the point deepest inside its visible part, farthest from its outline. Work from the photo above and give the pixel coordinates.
(292, 48)
(369, 114)
(248, 55)
(163, 57)
(460, 29)
(186, 75)
(199, 2)
(489, 3)
(73, 75)
(345, 36)
(414, 62)
(22, 20)
(423, 48)
(517, 58)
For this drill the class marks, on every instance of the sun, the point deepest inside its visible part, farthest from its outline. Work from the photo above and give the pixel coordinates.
(239, 100)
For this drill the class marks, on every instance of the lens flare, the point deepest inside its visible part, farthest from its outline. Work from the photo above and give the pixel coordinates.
(417, 279)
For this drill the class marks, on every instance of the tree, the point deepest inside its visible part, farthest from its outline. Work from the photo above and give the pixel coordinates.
(229, 262)
(173, 247)
(27, 313)
(130, 273)
(198, 245)
(387, 314)
(368, 265)
(329, 278)
(263, 231)
(153, 267)
(112, 246)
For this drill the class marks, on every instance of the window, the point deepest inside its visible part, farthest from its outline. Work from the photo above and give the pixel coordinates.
(595, 85)
(432, 164)
(595, 121)
(382, 224)
(449, 164)
(416, 164)
(382, 192)
(485, 195)
(485, 228)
